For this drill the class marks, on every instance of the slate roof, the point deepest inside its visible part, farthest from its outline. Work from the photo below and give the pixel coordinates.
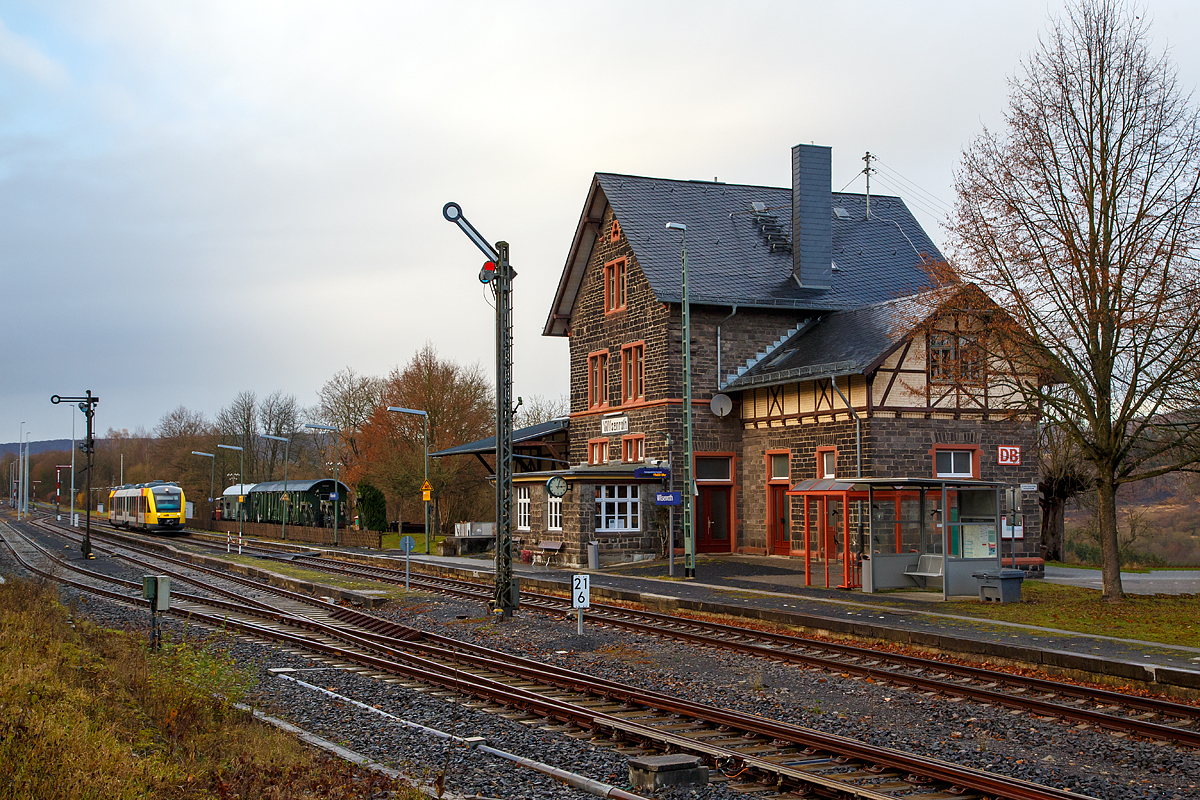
(731, 262)
(839, 343)
(488, 445)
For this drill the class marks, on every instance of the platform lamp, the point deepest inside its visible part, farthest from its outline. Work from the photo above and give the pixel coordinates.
(241, 490)
(283, 501)
(20, 469)
(425, 417)
(689, 484)
(335, 479)
(212, 478)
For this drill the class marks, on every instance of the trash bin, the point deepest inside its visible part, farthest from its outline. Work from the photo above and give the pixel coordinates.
(593, 551)
(1000, 586)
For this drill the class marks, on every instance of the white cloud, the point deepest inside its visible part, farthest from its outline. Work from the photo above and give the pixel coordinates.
(23, 55)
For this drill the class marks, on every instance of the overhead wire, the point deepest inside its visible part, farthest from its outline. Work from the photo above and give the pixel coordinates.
(914, 187)
(914, 199)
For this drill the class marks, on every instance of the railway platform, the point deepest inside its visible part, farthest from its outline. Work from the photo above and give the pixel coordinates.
(772, 590)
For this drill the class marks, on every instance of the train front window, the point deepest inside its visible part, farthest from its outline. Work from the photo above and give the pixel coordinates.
(164, 501)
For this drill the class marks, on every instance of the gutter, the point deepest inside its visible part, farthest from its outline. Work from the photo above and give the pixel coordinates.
(857, 427)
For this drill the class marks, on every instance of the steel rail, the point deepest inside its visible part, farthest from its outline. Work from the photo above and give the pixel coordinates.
(425, 670)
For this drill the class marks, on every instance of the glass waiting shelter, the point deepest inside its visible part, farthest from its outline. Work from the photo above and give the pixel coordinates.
(907, 540)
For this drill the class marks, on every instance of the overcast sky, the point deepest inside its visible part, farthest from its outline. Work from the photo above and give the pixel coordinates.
(198, 198)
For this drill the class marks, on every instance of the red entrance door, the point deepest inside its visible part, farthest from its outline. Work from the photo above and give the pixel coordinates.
(712, 520)
(777, 520)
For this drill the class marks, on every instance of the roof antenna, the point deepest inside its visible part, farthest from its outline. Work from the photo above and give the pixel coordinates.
(867, 170)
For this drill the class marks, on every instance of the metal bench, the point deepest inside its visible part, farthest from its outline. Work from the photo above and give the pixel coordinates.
(547, 553)
(927, 566)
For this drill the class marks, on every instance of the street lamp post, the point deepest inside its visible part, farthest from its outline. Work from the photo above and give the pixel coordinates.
(425, 417)
(241, 492)
(212, 474)
(336, 496)
(283, 501)
(689, 539)
(20, 470)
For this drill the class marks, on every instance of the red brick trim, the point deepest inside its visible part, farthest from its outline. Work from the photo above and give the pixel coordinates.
(614, 233)
(625, 392)
(607, 445)
(819, 454)
(626, 443)
(615, 282)
(779, 452)
(976, 457)
(602, 393)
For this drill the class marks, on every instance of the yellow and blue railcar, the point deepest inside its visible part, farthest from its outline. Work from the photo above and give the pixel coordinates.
(156, 506)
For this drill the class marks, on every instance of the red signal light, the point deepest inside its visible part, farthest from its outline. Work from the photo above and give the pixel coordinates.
(487, 272)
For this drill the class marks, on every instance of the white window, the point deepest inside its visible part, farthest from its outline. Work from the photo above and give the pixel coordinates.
(522, 508)
(598, 451)
(829, 464)
(954, 463)
(554, 513)
(617, 508)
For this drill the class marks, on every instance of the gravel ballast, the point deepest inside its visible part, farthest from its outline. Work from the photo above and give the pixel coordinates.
(994, 739)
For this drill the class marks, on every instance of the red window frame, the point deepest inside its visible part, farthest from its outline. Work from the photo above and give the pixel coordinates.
(633, 372)
(614, 286)
(976, 458)
(598, 379)
(598, 451)
(633, 448)
(821, 451)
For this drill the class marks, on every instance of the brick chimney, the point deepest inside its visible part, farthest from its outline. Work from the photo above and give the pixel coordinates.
(812, 216)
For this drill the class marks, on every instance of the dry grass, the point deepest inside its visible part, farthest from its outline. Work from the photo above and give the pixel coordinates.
(1153, 618)
(87, 712)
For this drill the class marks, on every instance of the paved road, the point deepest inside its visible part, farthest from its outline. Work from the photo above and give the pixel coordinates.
(1176, 581)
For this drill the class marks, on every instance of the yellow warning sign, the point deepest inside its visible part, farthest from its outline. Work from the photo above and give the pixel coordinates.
(426, 487)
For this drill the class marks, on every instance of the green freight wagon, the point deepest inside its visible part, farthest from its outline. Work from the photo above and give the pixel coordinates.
(309, 503)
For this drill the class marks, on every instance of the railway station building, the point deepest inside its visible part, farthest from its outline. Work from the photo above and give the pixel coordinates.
(821, 366)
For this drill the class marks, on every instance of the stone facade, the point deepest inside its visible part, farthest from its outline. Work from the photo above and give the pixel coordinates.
(797, 418)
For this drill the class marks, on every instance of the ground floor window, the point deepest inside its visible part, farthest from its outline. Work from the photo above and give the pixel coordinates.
(522, 508)
(598, 451)
(553, 513)
(617, 508)
(954, 463)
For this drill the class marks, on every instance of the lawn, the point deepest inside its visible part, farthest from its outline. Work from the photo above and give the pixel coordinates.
(391, 541)
(1163, 619)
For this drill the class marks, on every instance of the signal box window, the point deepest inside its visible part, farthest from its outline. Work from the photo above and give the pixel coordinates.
(633, 372)
(614, 286)
(598, 451)
(954, 463)
(633, 448)
(522, 508)
(597, 379)
(954, 359)
(617, 508)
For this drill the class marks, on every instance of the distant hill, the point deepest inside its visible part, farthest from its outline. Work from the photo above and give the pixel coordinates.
(38, 447)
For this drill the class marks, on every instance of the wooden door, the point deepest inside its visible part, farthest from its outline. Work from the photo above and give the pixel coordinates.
(713, 520)
(779, 531)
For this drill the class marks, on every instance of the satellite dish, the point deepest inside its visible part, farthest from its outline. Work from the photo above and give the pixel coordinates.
(720, 404)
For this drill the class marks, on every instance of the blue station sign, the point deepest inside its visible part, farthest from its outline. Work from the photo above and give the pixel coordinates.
(650, 472)
(668, 498)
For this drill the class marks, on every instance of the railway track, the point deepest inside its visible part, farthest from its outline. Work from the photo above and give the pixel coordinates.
(770, 758)
(1148, 717)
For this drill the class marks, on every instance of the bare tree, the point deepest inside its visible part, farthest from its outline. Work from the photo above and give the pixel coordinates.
(1080, 221)
(346, 401)
(237, 424)
(1064, 475)
(537, 409)
(278, 415)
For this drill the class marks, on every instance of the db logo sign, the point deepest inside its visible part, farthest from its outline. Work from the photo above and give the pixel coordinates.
(1008, 456)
